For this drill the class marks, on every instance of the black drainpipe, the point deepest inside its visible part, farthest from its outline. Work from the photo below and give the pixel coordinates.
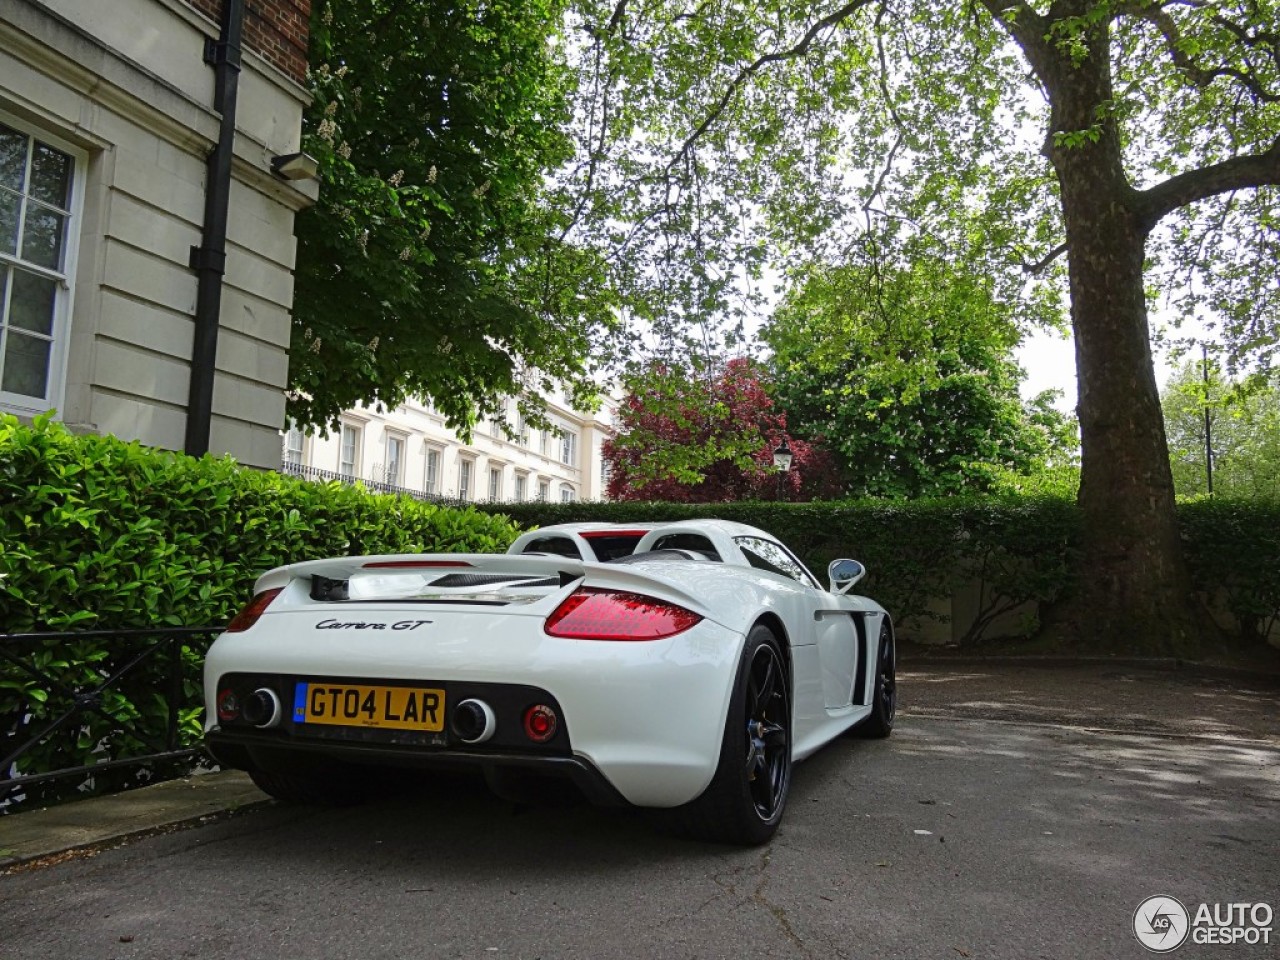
(209, 259)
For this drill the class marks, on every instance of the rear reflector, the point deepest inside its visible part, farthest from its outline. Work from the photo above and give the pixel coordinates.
(595, 614)
(391, 564)
(540, 723)
(247, 617)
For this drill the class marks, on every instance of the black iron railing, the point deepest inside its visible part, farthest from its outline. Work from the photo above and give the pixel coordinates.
(376, 486)
(113, 696)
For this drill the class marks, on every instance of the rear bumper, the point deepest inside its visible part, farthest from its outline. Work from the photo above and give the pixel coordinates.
(648, 717)
(242, 750)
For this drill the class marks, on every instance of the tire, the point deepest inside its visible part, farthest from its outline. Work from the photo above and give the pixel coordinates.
(312, 785)
(884, 698)
(746, 798)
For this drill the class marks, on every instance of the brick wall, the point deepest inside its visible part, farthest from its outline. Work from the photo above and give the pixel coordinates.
(275, 29)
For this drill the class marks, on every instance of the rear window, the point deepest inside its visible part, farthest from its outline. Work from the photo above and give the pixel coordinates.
(556, 546)
(687, 541)
(613, 546)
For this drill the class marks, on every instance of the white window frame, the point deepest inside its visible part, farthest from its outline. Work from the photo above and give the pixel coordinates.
(356, 430)
(567, 493)
(569, 447)
(495, 484)
(466, 476)
(522, 487)
(498, 421)
(395, 478)
(544, 491)
(291, 432)
(431, 479)
(55, 386)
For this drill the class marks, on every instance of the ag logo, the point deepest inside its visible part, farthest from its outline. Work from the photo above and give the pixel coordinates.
(1161, 924)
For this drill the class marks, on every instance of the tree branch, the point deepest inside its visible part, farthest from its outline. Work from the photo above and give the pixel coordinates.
(1034, 268)
(618, 12)
(1238, 173)
(1201, 76)
(1028, 29)
(751, 69)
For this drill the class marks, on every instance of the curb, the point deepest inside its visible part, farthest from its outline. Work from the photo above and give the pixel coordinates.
(1158, 664)
(94, 822)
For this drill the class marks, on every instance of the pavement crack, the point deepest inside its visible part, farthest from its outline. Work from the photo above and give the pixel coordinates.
(777, 911)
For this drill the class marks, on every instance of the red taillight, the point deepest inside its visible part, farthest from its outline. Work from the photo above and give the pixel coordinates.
(247, 617)
(540, 723)
(396, 564)
(595, 614)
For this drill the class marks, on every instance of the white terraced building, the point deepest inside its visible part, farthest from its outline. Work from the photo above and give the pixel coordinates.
(410, 449)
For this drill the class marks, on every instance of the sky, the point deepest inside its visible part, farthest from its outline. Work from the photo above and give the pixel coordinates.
(1050, 363)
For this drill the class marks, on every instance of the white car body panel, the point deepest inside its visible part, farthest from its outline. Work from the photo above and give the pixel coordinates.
(648, 715)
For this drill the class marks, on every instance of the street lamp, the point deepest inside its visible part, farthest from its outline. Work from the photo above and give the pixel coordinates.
(782, 460)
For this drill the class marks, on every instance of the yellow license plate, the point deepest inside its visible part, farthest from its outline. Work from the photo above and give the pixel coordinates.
(388, 708)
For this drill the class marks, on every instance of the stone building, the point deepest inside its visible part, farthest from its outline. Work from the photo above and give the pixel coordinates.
(410, 449)
(109, 113)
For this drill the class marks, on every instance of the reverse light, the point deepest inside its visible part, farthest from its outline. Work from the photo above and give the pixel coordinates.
(540, 723)
(247, 617)
(228, 706)
(597, 614)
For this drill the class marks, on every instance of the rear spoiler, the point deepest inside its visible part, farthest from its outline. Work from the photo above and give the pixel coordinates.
(325, 576)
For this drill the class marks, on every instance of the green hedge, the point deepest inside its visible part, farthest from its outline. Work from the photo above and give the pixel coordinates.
(914, 551)
(1018, 548)
(100, 534)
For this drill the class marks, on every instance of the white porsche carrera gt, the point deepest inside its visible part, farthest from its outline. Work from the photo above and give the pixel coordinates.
(682, 666)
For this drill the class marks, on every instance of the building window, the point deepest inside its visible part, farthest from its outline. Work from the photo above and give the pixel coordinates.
(498, 421)
(395, 459)
(433, 470)
(349, 455)
(569, 447)
(465, 468)
(495, 484)
(544, 490)
(37, 246)
(544, 442)
(568, 494)
(522, 487)
(522, 430)
(293, 442)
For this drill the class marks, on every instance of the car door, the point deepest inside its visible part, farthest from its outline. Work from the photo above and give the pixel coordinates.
(834, 629)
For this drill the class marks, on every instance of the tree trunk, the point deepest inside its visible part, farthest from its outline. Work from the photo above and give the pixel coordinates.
(1134, 584)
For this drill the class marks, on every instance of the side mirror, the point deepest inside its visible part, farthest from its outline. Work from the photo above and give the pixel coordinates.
(843, 574)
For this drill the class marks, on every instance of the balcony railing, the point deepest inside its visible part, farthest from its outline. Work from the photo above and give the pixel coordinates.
(375, 486)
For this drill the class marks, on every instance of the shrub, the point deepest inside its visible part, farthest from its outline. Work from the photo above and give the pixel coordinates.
(1233, 548)
(1019, 548)
(915, 551)
(98, 534)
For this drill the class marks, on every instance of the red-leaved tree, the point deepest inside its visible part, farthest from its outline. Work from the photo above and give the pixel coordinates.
(687, 436)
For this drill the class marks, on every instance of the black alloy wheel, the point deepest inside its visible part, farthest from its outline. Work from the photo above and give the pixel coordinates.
(746, 798)
(887, 684)
(884, 699)
(768, 740)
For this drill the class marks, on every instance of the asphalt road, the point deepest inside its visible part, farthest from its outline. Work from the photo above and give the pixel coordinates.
(1041, 842)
